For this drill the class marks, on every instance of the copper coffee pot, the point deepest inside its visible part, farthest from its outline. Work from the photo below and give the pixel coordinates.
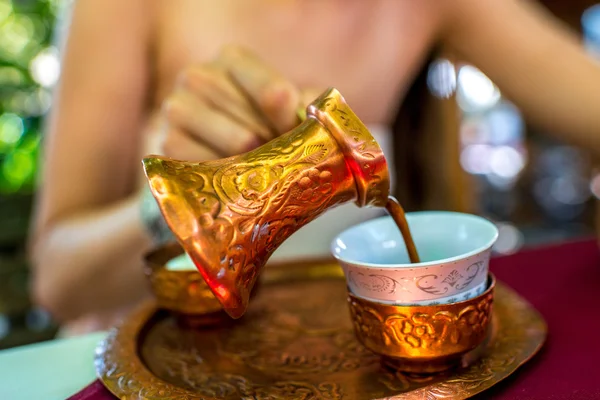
(231, 214)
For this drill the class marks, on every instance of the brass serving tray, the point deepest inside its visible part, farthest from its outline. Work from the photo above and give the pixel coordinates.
(296, 342)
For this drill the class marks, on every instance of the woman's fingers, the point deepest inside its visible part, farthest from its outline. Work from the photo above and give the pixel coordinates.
(214, 86)
(275, 97)
(219, 132)
(181, 146)
(229, 107)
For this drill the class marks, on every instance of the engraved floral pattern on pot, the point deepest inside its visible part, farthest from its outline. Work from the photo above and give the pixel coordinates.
(248, 276)
(315, 185)
(222, 231)
(246, 187)
(273, 233)
(211, 207)
(254, 182)
(305, 188)
(235, 258)
(285, 146)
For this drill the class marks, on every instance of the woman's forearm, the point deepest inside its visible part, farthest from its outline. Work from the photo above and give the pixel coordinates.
(536, 61)
(91, 262)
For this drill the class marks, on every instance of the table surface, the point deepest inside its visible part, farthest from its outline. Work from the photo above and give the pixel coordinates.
(562, 282)
(51, 370)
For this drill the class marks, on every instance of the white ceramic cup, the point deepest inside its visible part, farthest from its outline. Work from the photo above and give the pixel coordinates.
(454, 249)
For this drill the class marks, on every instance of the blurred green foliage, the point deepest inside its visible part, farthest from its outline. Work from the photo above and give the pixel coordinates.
(29, 67)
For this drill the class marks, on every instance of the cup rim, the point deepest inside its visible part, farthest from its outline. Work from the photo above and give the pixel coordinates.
(491, 286)
(440, 261)
(485, 283)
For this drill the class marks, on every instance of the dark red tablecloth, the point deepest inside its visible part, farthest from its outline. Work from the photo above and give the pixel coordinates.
(563, 283)
(95, 391)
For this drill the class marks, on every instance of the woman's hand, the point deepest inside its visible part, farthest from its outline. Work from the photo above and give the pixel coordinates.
(227, 107)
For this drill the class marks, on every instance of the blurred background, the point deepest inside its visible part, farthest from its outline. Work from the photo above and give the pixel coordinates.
(29, 67)
(537, 190)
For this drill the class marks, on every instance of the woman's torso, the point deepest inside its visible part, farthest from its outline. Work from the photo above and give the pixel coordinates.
(369, 50)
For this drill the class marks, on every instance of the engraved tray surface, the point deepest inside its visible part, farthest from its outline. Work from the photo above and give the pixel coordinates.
(296, 342)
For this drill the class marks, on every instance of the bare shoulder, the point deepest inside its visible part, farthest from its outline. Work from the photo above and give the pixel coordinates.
(136, 11)
(430, 14)
(462, 16)
(123, 24)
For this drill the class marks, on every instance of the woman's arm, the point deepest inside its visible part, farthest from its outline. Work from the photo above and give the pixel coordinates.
(87, 238)
(535, 60)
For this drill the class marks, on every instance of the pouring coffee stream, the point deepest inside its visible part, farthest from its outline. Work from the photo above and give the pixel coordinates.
(230, 215)
(396, 211)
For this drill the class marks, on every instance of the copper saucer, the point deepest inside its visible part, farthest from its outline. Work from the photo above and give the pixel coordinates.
(296, 342)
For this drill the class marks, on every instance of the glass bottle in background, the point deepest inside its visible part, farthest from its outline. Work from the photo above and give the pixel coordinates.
(590, 23)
